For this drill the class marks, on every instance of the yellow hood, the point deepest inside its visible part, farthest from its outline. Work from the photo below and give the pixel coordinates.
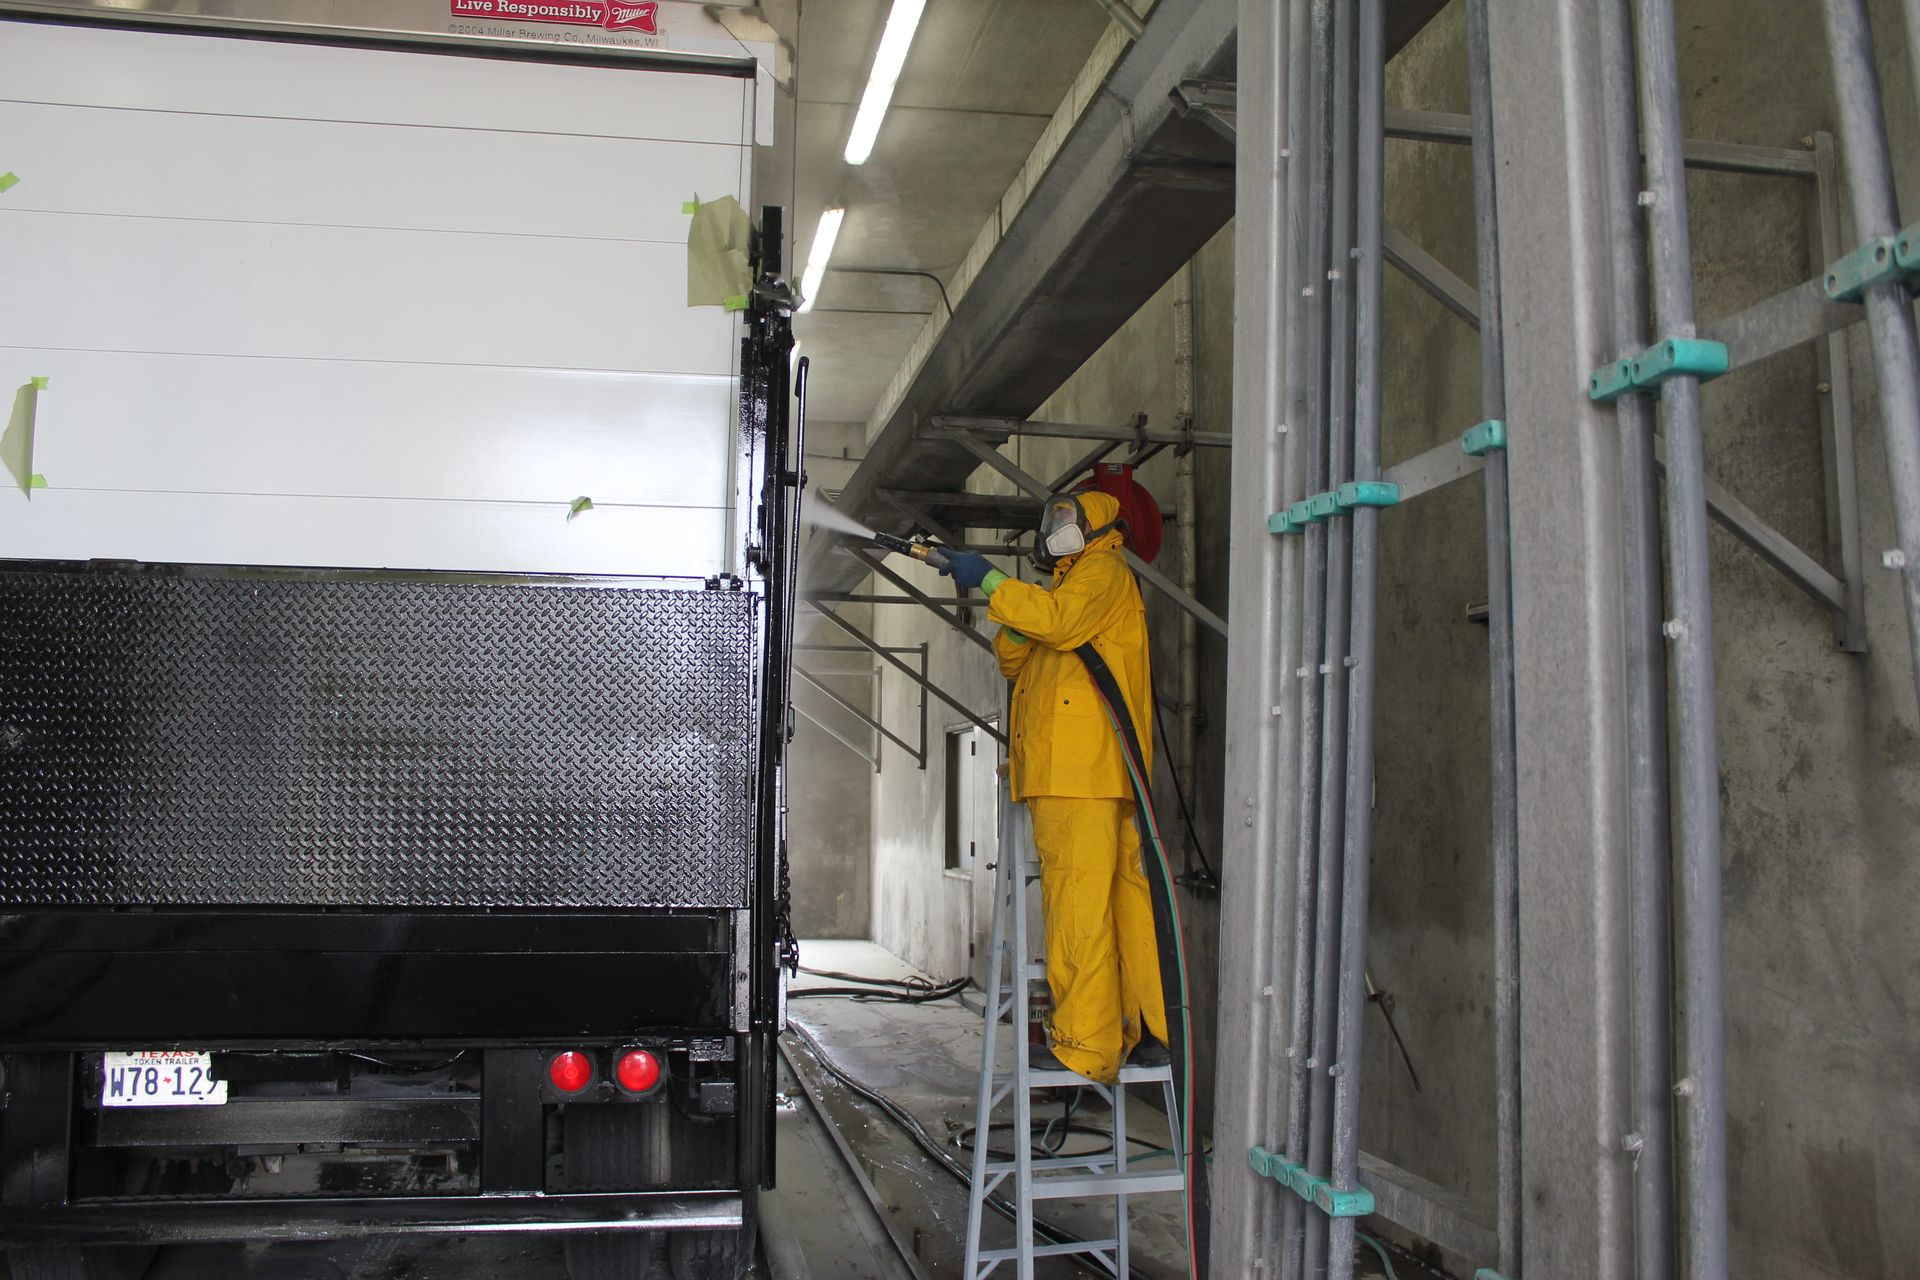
(1101, 509)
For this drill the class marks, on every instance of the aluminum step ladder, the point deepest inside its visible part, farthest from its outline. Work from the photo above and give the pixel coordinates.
(1011, 973)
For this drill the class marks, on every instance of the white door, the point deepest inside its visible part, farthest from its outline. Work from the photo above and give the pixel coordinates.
(984, 846)
(308, 305)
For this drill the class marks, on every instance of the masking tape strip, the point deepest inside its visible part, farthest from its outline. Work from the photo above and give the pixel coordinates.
(690, 206)
(578, 505)
(738, 302)
(8, 181)
(36, 481)
(40, 382)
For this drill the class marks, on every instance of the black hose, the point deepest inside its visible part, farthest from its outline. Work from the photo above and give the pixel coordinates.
(1173, 959)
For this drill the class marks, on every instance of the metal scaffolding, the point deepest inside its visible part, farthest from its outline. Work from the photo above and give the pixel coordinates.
(1586, 986)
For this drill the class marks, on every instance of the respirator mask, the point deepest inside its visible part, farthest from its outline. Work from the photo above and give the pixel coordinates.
(1063, 532)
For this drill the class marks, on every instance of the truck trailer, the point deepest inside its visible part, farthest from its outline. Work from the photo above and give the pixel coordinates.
(396, 597)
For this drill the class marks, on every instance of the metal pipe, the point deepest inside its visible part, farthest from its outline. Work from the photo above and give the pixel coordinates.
(1505, 815)
(1896, 360)
(1365, 522)
(1186, 527)
(1650, 869)
(1690, 629)
(1296, 465)
(1328, 972)
(1318, 153)
(1910, 11)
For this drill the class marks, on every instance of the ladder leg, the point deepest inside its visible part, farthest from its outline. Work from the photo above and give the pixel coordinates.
(1123, 1253)
(1013, 861)
(999, 966)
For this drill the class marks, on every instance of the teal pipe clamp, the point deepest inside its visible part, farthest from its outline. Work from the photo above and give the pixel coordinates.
(1906, 251)
(1693, 357)
(1611, 381)
(1483, 438)
(1873, 263)
(1366, 493)
(1357, 1203)
(1663, 360)
(1488, 1273)
(1323, 506)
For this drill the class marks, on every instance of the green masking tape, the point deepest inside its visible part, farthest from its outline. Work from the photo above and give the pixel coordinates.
(8, 181)
(578, 505)
(39, 382)
(690, 206)
(738, 302)
(36, 481)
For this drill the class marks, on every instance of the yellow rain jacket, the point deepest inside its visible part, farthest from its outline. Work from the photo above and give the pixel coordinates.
(1063, 744)
(1070, 768)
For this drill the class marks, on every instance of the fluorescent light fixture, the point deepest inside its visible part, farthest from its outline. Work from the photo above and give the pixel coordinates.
(902, 21)
(823, 237)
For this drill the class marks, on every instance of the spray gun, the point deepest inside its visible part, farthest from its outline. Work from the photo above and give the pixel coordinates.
(919, 548)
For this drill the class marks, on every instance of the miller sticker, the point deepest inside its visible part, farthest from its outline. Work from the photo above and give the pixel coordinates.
(642, 16)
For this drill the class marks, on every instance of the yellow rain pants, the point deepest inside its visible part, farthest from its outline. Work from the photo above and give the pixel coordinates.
(1103, 966)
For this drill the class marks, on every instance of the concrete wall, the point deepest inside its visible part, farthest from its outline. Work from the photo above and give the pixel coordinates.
(1820, 749)
(1820, 769)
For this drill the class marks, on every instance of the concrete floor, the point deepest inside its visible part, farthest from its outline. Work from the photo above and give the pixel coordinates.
(926, 1059)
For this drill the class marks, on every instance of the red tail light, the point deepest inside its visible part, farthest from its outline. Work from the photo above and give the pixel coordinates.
(570, 1071)
(637, 1071)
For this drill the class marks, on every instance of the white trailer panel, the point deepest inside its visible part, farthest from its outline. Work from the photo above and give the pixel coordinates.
(327, 306)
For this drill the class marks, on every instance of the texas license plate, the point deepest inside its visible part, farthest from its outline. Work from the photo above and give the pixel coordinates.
(160, 1078)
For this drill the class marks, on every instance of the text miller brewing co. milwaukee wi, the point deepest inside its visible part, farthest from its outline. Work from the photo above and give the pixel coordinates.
(609, 15)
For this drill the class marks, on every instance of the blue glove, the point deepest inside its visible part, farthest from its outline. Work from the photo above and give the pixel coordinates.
(967, 568)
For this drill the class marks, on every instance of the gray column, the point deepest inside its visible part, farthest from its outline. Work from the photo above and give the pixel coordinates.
(1263, 723)
(1569, 642)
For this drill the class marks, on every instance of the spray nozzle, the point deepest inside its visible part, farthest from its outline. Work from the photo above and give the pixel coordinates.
(919, 548)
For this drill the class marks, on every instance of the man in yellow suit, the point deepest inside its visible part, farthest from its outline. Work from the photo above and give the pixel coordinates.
(1070, 768)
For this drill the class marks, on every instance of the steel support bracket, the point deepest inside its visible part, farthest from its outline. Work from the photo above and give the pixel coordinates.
(1873, 263)
(1366, 493)
(1483, 438)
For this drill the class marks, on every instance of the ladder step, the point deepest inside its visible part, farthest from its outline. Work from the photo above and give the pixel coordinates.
(1036, 970)
(1038, 1079)
(1033, 869)
(1098, 1185)
(1041, 1164)
(1051, 1250)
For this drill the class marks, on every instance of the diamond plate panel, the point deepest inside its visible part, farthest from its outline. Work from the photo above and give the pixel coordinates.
(173, 739)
